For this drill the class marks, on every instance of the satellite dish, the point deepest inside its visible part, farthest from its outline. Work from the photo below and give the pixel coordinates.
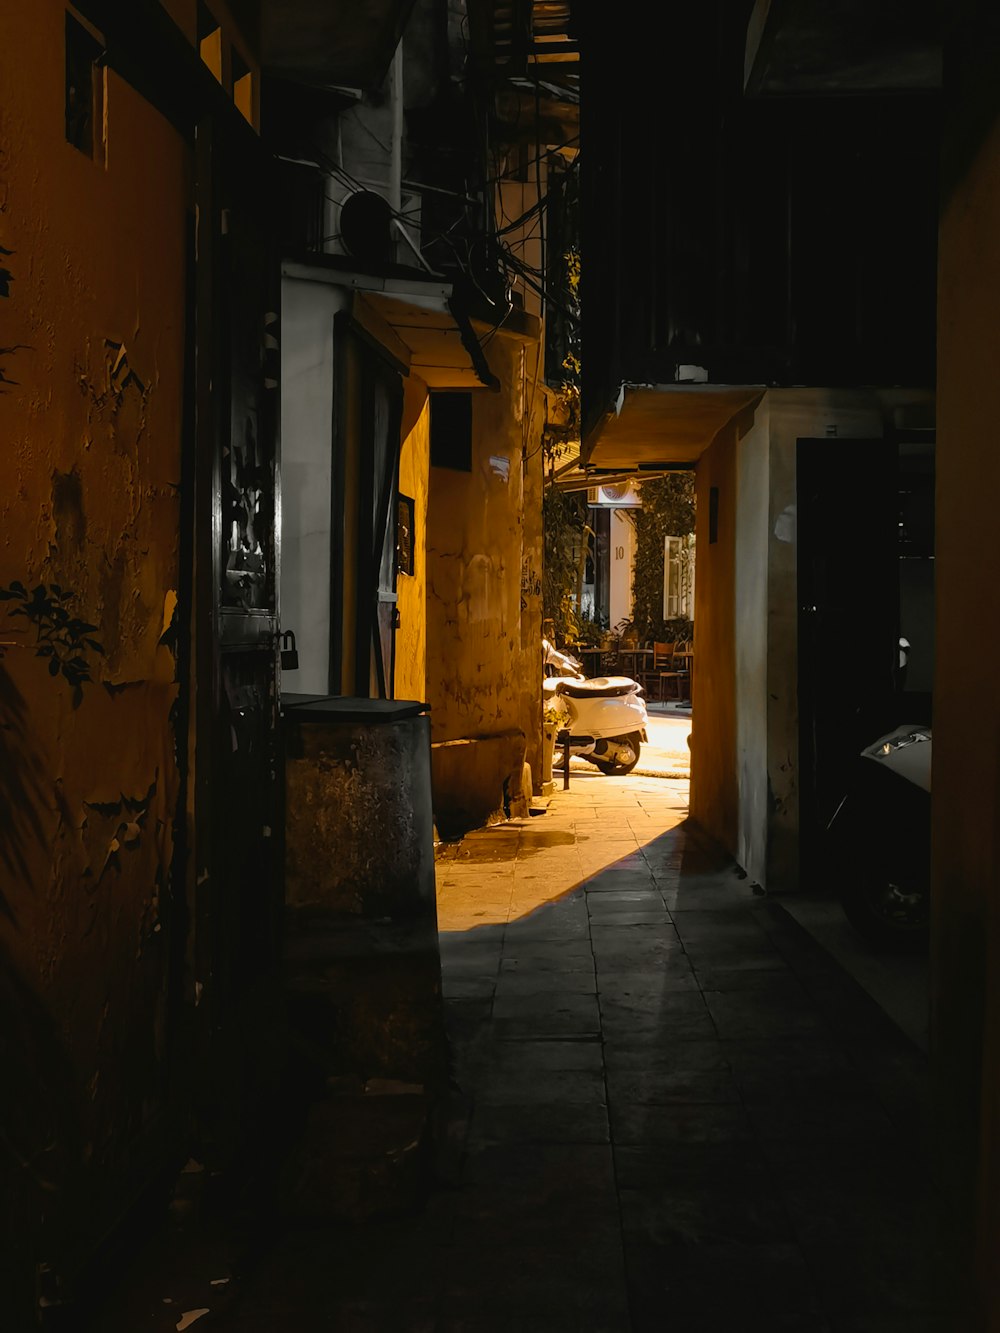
(365, 227)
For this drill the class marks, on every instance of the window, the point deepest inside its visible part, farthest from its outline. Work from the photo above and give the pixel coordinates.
(678, 577)
(84, 88)
(451, 431)
(671, 578)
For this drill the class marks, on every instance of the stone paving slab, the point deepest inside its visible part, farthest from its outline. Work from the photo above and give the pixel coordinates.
(672, 1111)
(729, 1088)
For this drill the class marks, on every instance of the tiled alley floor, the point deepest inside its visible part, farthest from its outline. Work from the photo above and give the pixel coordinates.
(673, 1112)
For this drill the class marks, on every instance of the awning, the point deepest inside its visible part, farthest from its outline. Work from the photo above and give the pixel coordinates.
(349, 42)
(442, 344)
(666, 425)
(419, 320)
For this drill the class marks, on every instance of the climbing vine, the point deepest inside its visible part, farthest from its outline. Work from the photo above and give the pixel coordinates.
(667, 511)
(564, 516)
(60, 637)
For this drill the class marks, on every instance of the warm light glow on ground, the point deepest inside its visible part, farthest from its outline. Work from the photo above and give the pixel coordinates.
(506, 872)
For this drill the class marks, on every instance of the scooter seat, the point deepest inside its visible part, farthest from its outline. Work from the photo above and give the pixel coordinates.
(601, 687)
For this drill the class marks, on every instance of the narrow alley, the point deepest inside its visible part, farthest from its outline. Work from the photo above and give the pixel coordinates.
(493, 493)
(670, 1110)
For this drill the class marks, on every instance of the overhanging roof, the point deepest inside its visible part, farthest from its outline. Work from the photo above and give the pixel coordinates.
(854, 46)
(444, 350)
(666, 425)
(326, 42)
(417, 318)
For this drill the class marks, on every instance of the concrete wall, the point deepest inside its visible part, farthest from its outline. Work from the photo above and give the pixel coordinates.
(307, 374)
(714, 786)
(91, 420)
(623, 540)
(745, 740)
(966, 816)
(826, 415)
(414, 469)
(751, 612)
(484, 599)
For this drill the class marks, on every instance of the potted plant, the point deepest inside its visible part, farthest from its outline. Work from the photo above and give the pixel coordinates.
(552, 720)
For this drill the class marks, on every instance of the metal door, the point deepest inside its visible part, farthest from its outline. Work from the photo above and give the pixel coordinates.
(237, 865)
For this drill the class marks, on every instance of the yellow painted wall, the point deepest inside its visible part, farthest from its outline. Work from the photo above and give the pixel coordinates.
(965, 976)
(414, 468)
(484, 583)
(713, 730)
(90, 420)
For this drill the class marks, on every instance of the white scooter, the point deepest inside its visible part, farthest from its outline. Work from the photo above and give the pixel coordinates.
(606, 717)
(881, 841)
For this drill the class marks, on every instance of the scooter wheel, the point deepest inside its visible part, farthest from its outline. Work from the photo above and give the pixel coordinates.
(618, 767)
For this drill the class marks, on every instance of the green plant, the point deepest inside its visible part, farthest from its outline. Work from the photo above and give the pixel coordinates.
(59, 636)
(564, 517)
(553, 714)
(667, 511)
(564, 514)
(590, 632)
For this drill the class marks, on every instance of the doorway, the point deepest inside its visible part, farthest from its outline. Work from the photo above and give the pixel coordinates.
(848, 619)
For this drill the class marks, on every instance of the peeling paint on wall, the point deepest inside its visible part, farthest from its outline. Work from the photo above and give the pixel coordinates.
(483, 623)
(88, 795)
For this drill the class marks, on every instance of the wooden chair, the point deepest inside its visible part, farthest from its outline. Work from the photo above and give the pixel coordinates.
(650, 676)
(665, 668)
(663, 657)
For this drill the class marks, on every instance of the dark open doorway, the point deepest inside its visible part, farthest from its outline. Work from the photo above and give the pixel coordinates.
(848, 620)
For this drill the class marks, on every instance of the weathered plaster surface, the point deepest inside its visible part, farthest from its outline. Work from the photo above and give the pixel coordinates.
(362, 974)
(91, 425)
(342, 782)
(714, 793)
(484, 575)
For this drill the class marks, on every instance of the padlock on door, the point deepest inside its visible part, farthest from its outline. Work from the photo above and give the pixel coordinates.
(289, 653)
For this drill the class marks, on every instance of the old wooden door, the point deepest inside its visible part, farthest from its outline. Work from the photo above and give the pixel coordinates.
(383, 415)
(368, 394)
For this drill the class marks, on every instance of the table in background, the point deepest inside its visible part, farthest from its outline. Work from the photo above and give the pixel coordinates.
(635, 662)
(590, 660)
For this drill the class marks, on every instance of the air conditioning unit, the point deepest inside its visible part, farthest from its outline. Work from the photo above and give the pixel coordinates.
(618, 495)
(362, 213)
